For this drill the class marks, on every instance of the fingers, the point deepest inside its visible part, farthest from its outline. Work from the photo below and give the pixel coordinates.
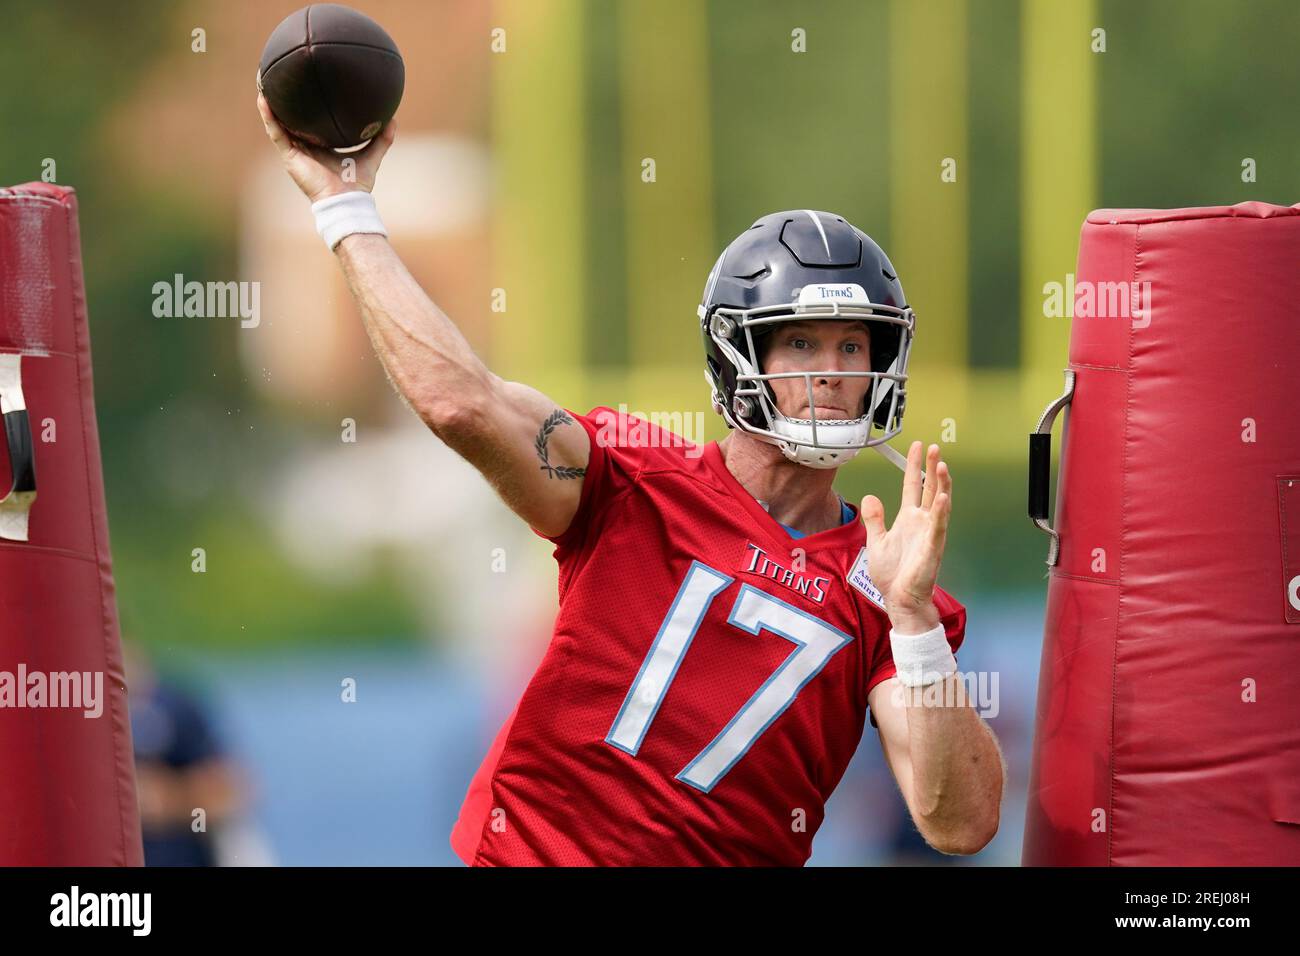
(273, 128)
(872, 513)
(912, 476)
(941, 510)
(930, 488)
(939, 515)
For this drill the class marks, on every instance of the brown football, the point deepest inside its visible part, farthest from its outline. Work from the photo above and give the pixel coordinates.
(331, 75)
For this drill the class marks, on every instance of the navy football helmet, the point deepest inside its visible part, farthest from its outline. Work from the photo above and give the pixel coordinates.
(796, 266)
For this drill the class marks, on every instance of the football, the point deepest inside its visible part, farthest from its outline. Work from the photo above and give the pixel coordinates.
(332, 76)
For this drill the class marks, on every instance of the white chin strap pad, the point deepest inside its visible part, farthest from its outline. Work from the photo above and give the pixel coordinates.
(837, 433)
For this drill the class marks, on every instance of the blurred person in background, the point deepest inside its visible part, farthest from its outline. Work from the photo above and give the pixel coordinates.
(181, 768)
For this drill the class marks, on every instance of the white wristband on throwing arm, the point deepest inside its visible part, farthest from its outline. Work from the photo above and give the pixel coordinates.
(338, 217)
(922, 659)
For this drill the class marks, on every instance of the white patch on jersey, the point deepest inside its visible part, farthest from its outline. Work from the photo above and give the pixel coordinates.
(860, 579)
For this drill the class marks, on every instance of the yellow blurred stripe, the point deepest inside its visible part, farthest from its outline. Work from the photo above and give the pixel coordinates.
(664, 80)
(1058, 176)
(538, 227)
(929, 217)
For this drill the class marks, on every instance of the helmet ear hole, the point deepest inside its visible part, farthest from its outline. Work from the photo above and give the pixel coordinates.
(886, 341)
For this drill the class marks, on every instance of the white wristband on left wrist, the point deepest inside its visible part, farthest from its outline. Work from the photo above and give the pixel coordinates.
(922, 659)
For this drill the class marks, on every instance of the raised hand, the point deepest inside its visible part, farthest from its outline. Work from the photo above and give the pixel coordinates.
(904, 561)
(319, 172)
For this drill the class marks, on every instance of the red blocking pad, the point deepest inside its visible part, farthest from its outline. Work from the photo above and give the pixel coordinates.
(67, 793)
(1168, 719)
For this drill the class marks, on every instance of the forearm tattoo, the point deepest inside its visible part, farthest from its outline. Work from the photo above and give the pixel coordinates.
(553, 421)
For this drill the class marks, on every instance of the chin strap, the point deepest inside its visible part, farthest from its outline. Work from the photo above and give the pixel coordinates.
(891, 454)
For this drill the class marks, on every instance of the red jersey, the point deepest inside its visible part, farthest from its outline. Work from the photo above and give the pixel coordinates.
(706, 684)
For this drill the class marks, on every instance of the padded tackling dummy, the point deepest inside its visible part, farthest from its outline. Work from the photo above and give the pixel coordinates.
(67, 789)
(1168, 721)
